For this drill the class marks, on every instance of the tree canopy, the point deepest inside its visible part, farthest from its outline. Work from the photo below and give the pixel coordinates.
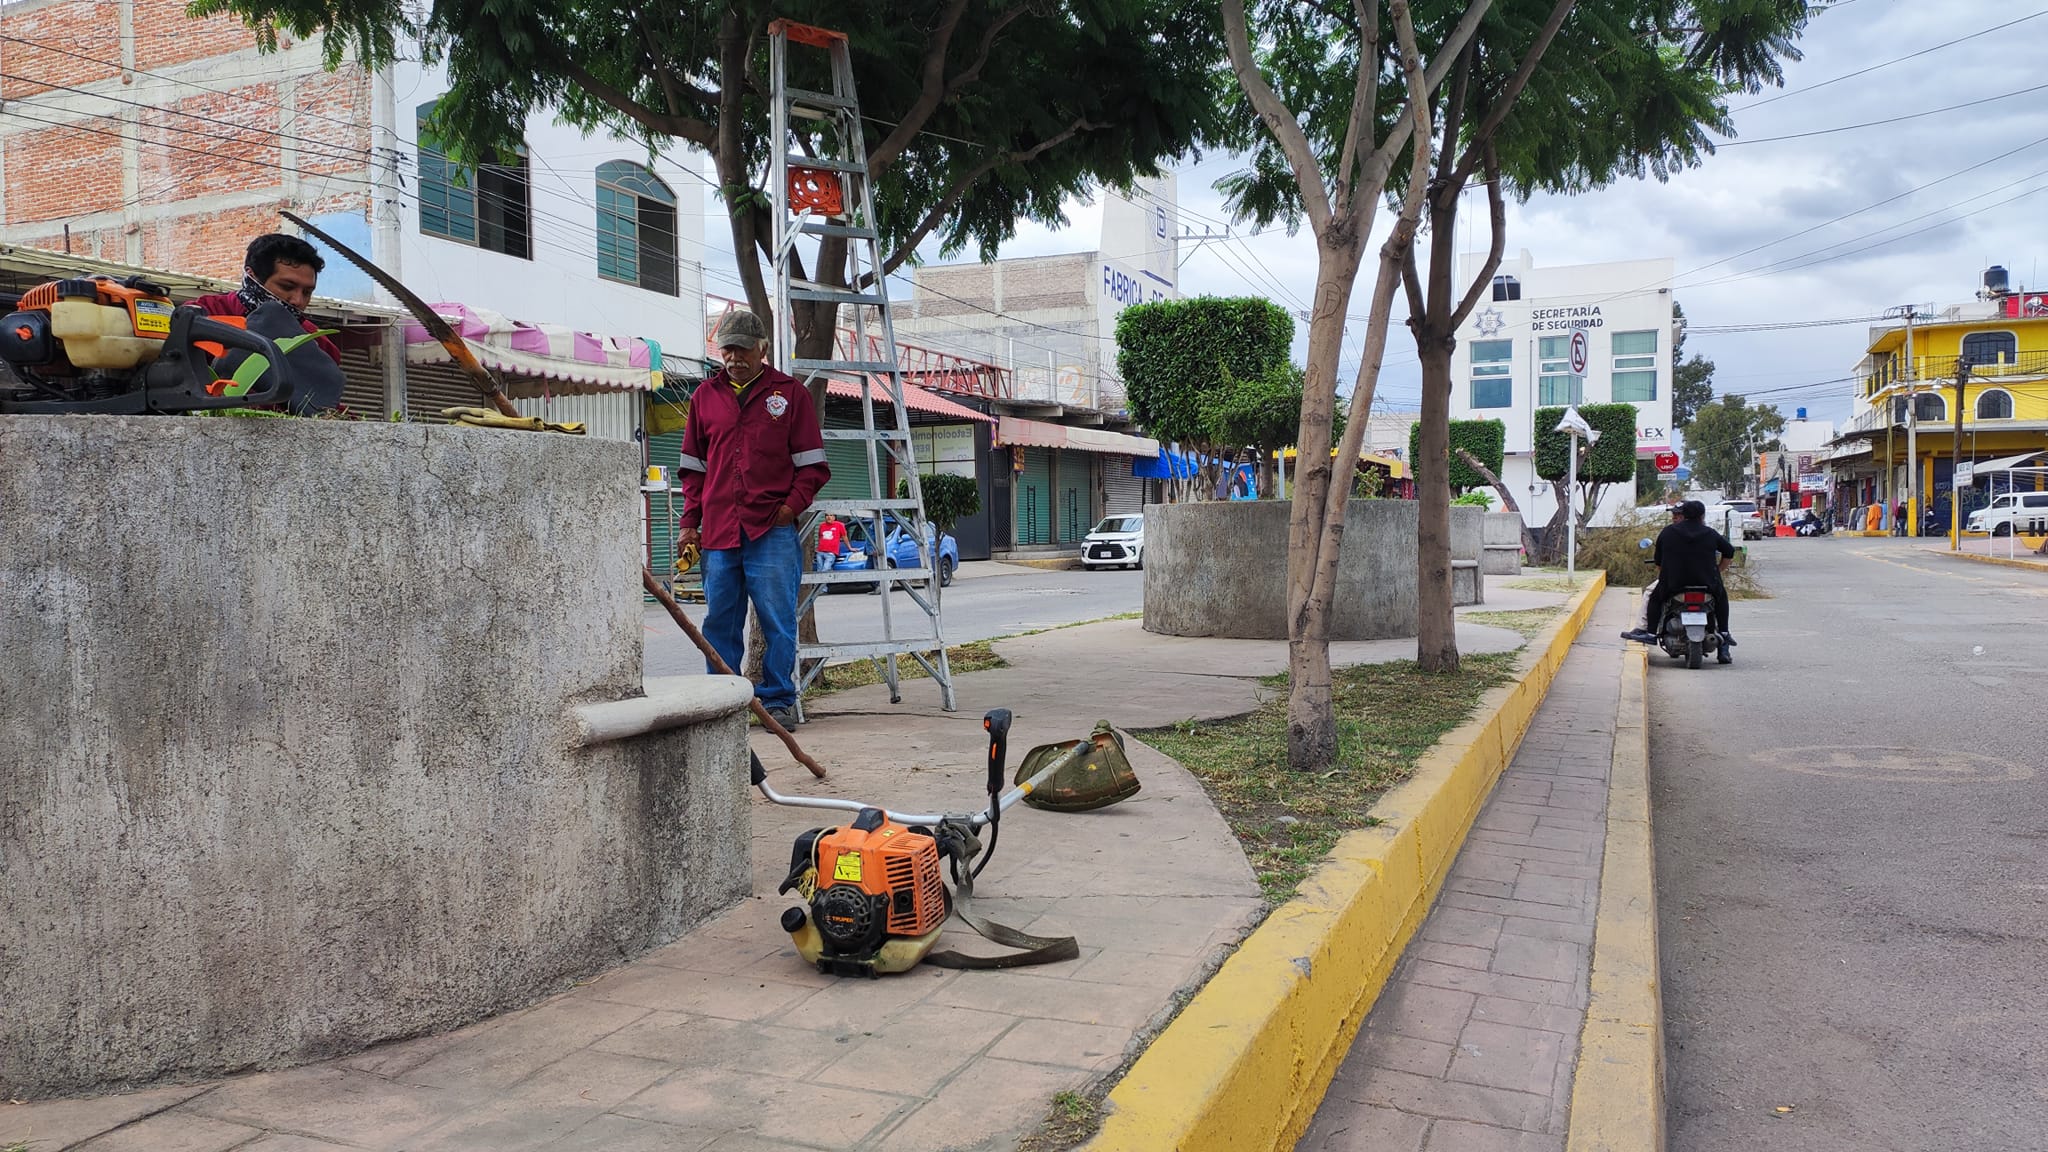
(1692, 381)
(1723, 434)
(981, 112)
(1210, 372)
(1487, 440)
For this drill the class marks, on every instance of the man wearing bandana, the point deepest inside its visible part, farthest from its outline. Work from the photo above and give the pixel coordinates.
(752, 459)
(277, 267)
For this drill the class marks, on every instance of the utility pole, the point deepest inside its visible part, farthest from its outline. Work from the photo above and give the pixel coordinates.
(1913, 513)
(1955, 488)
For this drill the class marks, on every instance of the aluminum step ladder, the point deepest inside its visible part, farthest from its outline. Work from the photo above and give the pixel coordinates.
(824, 199)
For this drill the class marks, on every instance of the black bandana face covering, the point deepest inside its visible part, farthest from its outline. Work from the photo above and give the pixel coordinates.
(254, 295)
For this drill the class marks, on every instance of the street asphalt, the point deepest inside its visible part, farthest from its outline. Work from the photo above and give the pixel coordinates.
(1852, 859)
(986, 600)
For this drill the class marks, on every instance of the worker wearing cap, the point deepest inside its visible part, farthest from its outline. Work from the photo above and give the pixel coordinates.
(752, 459)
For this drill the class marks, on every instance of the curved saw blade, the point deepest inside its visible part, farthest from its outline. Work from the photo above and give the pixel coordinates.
(437, 327)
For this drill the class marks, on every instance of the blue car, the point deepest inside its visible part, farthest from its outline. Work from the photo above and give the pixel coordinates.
(901, 549)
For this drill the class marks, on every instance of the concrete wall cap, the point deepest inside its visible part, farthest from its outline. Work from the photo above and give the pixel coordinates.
(670, 702)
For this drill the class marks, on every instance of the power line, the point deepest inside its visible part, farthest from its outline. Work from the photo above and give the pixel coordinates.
(1889, 63)
(1889, 120)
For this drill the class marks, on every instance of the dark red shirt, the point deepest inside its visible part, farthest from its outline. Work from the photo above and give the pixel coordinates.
(746, 454)
(229, 304)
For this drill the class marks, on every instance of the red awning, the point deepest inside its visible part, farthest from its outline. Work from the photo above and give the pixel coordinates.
(914, 398)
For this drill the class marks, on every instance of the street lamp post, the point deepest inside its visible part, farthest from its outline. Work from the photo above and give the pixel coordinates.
(1575, 426)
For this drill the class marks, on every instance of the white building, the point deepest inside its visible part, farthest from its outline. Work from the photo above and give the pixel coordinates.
(1579, 334)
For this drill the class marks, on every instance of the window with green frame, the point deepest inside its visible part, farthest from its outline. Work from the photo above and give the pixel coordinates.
(1492, 373)
(1556, 384)
(636, 227)
(485, 205)
(1635, 366)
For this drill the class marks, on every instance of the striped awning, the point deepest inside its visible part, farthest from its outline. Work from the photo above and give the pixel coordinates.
(570, 362)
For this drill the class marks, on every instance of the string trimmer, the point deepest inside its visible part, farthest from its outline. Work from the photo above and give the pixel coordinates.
(874, 899)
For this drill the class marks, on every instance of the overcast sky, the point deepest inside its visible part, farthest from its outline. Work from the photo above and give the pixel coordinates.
(1780, 198)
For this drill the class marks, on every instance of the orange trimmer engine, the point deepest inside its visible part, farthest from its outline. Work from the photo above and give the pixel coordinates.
(875, 896)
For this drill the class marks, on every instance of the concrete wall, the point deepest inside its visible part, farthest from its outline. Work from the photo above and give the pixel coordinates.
(1502, 534)
(319, 734)
(1219, 568)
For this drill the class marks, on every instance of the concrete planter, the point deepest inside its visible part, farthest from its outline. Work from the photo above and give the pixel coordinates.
(1220, 568)
(1502, 536)
(322, 734)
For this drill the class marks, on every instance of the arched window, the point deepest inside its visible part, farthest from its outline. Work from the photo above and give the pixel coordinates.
(485, 205)
(636, 227)
(1991, 347)
(1995, 404)
(1931, 406)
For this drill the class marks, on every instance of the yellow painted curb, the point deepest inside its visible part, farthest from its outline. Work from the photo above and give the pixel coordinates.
(2001, 561)
(1245, 1064)
(1618, 1088)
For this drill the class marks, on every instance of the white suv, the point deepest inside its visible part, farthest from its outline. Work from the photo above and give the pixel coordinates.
(1117, 542)
(2028, 509)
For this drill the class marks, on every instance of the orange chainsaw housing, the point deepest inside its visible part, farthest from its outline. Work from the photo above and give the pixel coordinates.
(890, 861)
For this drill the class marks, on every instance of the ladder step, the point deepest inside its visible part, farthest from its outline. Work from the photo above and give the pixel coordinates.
(867, 648)
(869, 576)
(862, 366)
(838, 505)
(864, 434)
(804, 97)
(857, 167)
(847, 230)
(838, 296)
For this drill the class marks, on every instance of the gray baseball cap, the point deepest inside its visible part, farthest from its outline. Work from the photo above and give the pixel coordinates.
(740, 328)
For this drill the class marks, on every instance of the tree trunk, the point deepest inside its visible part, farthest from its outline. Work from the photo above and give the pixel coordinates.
(1311, 718)
(1436, 641)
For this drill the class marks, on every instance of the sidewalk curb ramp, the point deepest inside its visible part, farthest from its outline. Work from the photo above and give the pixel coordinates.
(1618, 1086)
(1245, 1064)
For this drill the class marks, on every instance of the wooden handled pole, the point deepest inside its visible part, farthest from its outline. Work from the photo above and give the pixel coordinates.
(675, 613)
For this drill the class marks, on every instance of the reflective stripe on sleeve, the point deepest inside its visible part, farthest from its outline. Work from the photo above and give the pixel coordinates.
(802, 459)
(692, 463)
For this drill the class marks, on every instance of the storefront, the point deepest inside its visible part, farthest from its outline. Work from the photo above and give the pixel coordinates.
(1060, 480)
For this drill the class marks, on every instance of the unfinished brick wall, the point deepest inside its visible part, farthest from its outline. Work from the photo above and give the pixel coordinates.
(227, 135)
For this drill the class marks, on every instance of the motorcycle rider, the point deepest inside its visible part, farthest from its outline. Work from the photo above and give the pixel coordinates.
(1676, 509)
(1689, 554)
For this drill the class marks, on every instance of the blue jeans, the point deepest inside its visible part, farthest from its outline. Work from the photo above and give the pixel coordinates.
(764, 570)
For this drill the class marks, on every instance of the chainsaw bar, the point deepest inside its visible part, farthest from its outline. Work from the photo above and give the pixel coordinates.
(440, 329)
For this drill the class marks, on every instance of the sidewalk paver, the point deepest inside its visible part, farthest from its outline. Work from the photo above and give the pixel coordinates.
(725, 1041)
(1472, 1043)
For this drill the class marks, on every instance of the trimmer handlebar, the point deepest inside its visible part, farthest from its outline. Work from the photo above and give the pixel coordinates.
(997, 722)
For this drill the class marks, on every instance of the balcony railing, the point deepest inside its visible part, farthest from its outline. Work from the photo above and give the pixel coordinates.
(1932, 371)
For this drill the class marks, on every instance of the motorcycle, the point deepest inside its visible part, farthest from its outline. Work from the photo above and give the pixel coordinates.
(1689, 629)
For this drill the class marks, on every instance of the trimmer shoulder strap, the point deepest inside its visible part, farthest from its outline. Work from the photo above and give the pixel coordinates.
(1032, 949)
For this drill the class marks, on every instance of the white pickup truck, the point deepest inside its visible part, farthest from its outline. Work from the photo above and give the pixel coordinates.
(1735, 519)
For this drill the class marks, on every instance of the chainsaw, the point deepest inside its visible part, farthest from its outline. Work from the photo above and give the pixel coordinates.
(119, 347)
(875, 899)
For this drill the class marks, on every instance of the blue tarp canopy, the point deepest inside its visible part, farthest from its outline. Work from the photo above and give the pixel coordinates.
(1169, 465)
(1770, 487)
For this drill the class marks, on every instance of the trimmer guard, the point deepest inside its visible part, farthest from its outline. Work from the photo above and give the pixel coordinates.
(1100, 777)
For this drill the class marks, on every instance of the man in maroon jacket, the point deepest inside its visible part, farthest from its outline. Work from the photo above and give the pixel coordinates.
(752, 459)
(276, 267)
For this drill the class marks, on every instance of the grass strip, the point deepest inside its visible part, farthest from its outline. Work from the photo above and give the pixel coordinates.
(1530, 622)
(1388, 715)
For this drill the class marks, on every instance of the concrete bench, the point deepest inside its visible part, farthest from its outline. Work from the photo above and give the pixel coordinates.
(1468, 583)
(1501, 560)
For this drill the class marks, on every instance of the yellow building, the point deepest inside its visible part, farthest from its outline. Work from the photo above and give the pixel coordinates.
(2003, 343)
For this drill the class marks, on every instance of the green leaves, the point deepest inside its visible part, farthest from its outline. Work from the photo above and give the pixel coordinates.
(1610, 461)
(1182, 360)
(1723, 434)
(947, 497)
(1485, 439)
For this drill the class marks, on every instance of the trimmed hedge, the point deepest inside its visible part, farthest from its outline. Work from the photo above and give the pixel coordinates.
(1485, 439)
(1611, 461)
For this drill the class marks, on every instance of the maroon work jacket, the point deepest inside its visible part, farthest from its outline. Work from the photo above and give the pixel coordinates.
(748, 453)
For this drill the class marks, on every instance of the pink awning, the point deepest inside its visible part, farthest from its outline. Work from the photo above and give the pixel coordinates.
(914, 398)
(1039, 434)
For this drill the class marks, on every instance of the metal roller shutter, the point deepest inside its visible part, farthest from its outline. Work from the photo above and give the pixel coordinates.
(1033, 524)
(848, 460)
(1071, 505)
(362, 389)
(1122, 493)
(432, 387)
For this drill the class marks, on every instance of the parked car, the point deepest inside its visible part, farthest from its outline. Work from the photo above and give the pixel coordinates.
(2027, 509)
(900, 549)
(1117, 542)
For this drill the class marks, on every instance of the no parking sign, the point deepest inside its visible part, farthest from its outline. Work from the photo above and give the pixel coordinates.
(1578, 351)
